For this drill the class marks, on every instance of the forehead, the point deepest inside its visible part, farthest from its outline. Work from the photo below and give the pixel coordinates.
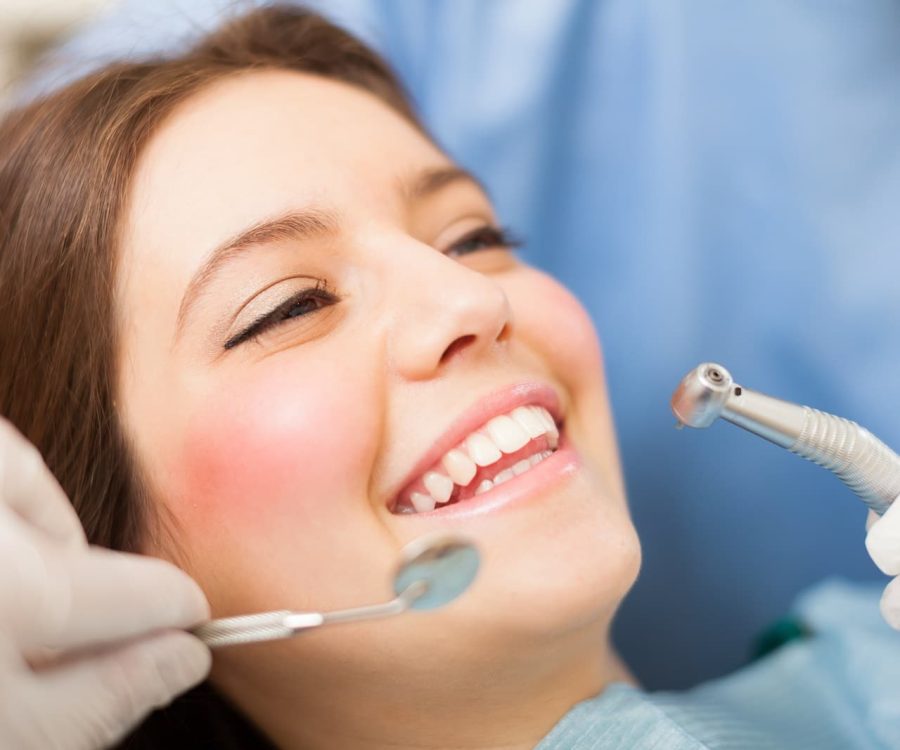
(260, 143)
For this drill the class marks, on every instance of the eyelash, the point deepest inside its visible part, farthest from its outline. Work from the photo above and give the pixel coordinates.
(284, 312)
(488, 237)
(483, 238)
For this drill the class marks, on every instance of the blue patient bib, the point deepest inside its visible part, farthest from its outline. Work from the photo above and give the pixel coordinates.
(838, 689)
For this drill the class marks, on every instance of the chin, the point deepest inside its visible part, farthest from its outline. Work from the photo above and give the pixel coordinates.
(567, 570)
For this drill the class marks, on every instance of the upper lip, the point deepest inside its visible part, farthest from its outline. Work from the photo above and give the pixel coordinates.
(499, 401)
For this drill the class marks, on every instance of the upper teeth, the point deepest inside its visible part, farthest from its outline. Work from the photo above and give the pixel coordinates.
(505, 434)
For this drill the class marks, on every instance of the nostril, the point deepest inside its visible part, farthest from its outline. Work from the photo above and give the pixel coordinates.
(457, 346)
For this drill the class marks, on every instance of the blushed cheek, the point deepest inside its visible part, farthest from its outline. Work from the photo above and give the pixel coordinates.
(556, 323)
(562, 334)
(282, 442)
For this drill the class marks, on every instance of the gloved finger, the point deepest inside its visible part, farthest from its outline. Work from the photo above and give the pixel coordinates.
(29, 488)
(890, 604)
(871, 519)
(96, 700)
(100, 596)
(883, 541)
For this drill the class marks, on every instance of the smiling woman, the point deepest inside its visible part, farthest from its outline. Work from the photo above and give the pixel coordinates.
(274, 333)
(260, 325)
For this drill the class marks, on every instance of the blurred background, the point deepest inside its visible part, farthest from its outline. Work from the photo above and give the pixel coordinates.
(29, 27)
(716, 181)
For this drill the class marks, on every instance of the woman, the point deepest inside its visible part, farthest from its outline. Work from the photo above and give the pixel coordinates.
(272, 335)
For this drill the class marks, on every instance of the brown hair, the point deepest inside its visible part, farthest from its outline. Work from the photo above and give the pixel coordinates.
(65, 166)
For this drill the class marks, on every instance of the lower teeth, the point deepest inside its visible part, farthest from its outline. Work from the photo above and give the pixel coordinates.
(486, 485)
(507, 474)
(503, 476)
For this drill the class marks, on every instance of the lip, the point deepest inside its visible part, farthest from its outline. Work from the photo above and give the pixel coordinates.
(494, 404)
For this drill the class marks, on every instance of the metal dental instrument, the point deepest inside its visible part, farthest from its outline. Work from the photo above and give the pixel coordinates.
(865, 464)
(433, 571)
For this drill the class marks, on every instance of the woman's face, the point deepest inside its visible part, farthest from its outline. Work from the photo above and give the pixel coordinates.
(316, 308)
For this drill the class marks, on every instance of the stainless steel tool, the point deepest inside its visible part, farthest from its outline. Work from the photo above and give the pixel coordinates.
(865, 464)
(433, 571)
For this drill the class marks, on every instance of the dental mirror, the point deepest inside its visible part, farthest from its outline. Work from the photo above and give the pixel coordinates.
(433, 571)
(445, 564)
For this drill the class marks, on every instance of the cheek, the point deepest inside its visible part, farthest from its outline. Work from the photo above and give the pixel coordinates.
(553, 321)
(554, 324)
(284, 447)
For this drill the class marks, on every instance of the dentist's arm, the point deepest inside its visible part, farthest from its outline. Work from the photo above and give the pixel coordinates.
(883, 543)
(90, 639)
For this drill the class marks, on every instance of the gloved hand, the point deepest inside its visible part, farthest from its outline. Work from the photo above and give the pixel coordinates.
(84, 653)
(883, 543)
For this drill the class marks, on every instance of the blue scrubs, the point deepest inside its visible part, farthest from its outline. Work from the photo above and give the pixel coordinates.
(715, 180)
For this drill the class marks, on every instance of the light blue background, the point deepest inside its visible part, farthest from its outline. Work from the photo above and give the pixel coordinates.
(715, 180)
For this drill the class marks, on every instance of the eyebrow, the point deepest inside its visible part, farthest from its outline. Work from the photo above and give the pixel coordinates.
(305, 224)
(430, 181)
(293, 225)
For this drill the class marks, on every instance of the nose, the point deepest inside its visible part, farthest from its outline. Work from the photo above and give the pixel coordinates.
(444, 310)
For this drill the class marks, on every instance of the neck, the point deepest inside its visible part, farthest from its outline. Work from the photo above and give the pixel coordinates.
(508, 706)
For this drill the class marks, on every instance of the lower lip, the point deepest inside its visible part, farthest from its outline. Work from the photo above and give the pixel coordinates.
(515, 492)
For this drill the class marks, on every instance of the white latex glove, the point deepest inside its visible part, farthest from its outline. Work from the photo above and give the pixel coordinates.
(883, 543)
(84, 654)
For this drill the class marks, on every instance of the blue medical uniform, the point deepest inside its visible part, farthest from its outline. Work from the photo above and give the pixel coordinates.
(715, 180)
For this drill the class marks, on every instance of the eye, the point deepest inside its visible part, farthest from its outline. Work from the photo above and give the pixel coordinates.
(301, 304)
(483, 238)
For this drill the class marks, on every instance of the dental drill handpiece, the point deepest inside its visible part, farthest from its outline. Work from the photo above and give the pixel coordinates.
(865, 464)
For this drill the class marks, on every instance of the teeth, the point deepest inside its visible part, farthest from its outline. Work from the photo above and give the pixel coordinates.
(529, 419)
(439, 485)
(545, 417)
(460, 467)
(485, 485)
(521, 467)
(549, 427)
(507, 434)
(503, 476)
(421, 502)
(482, 449)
